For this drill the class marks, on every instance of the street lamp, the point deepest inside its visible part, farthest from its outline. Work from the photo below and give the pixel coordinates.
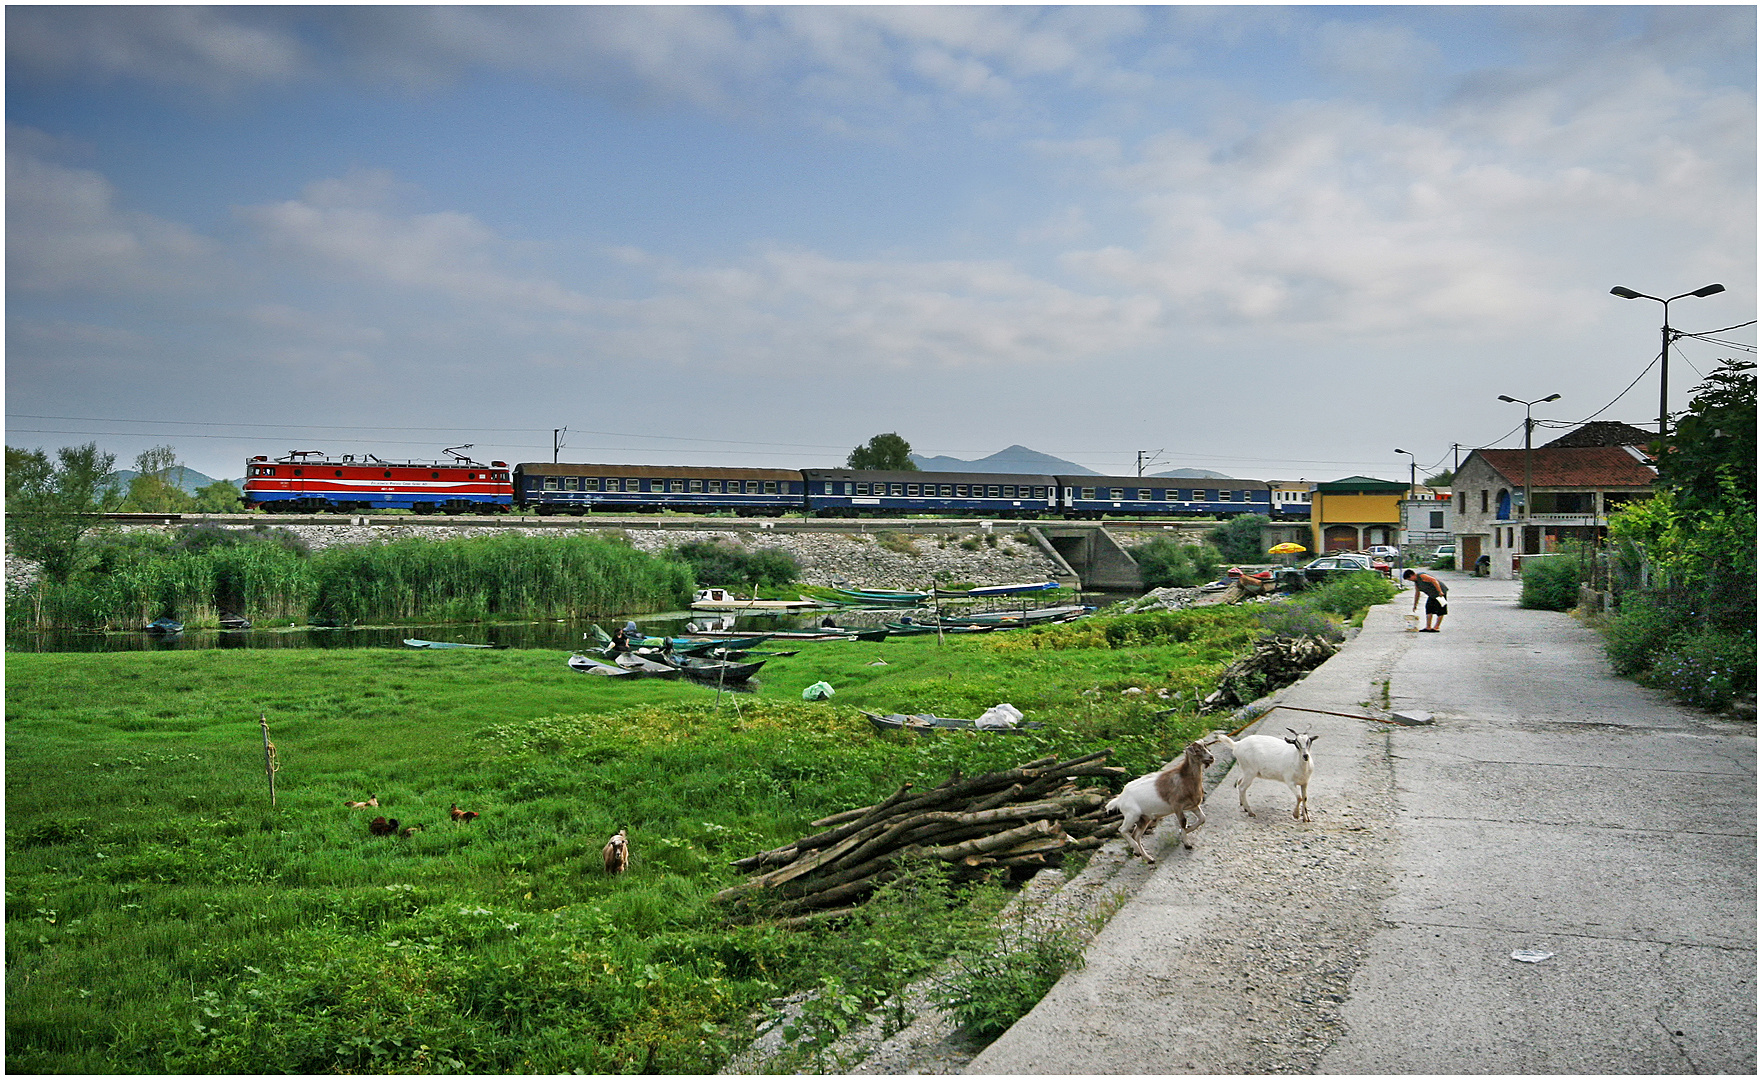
(1664, 354)
(1528, 426)
(1412, 470)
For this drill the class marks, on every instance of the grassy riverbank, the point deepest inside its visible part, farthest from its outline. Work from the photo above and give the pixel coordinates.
(161, 917)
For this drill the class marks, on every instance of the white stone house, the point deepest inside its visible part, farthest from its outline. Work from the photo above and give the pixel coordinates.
(1574, 488)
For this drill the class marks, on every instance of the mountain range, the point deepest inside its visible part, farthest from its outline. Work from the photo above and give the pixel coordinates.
(1020, 459)
(186, 480)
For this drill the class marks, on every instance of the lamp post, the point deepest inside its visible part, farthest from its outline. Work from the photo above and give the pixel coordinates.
(1412, 467)
(1528, 426)
(1664, 353)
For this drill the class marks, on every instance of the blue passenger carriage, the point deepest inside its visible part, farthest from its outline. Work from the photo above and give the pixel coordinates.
(849, 493)
(551, 488)
(1161, 496)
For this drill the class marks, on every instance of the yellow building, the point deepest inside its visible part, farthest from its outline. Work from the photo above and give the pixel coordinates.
(1355, 513)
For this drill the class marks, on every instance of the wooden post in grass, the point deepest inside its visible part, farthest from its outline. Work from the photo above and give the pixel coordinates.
(270, 765)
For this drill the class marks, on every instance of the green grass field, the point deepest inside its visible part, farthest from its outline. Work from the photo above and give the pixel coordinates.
(161, 917)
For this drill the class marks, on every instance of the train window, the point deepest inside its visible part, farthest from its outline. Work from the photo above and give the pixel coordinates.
(948, 491)
(676, 486)
(1039, 492)
(552, 483)
(697, 485)
(1225, 496)
(770, 487)
(912, 490)
(992, 491)
(1116, 493)
(1089, 493)
(896, 489)
(960, 491)
(591, 483)
(1143, 494)
(862, 489)
(1009, 491)
(849, 489)
(571, 483)
(714, 487)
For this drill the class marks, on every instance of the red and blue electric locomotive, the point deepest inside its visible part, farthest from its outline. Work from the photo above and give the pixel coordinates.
(307, 480)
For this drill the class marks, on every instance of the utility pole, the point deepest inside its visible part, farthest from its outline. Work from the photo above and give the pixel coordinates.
(1146, 457)
(556, 442)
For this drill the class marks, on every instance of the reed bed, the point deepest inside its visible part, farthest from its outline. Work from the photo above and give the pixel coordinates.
(500, 577)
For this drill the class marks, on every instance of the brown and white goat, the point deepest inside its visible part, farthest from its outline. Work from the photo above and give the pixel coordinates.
(1178, 788)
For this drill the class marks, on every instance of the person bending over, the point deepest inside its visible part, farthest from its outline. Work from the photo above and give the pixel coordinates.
(1435, 593)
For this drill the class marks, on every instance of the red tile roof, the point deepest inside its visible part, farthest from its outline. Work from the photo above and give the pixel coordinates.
(1581, 467)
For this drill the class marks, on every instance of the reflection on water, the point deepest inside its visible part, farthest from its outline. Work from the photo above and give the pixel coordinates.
(568, 635)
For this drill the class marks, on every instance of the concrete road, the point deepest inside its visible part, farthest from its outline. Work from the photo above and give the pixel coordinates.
(1548, 807)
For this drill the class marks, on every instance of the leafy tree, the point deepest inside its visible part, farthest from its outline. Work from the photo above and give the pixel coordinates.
(154, 489)
(714, 562)
(1239, 539)
(885, 452)
(1715, 438)
(1440, 479)
(220, 497)
(51, 507)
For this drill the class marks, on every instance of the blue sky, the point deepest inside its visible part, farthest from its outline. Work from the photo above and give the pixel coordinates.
(1270, 242)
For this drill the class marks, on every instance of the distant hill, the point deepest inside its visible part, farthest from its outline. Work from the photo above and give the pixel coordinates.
(187, 481)
(1015, 459)
(1195, 474)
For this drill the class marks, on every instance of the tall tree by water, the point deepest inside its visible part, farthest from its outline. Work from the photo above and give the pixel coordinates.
(883, 452)
(51, 506)
(155, 488)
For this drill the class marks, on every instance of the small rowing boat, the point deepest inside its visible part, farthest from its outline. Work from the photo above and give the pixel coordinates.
(418, 643)
(723, 600)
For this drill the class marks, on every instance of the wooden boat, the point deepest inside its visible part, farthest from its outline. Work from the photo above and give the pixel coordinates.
(647, 666)
(912, 629)
(723, 600)
(418, 643)
(165, 625)
(587, 665)
(723, 671)
(1033, 617)
(998, 590)
(926, 722)
(877, 598)
(229, 621)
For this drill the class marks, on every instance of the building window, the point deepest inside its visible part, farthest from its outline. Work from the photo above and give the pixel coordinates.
(1437, 519)
(1483, 500)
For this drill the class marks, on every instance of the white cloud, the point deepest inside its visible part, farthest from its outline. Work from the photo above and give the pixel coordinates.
(210, 49)
(66, 233)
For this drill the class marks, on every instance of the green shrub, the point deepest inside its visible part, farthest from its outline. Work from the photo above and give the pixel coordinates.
(1644, 627)
(1170, 564)
(1298, 619)
(1447, 562)
(716, 562)
(990, 988)
(1551, 584)
(901, 544)
(1348, 594)
(1238, 540)
(1707, 669)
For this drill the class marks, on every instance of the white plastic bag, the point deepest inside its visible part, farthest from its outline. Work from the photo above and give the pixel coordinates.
(820, 691)
(1000, 717)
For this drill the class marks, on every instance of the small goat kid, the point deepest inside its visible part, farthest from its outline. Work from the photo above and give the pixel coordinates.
(1178, 789)
(1286, 760)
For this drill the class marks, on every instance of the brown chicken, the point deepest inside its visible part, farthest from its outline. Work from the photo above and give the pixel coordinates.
(372, 800)
(381, 827)
(462, 815)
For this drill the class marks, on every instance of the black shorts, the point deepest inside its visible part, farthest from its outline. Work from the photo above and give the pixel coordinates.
(1435, 606)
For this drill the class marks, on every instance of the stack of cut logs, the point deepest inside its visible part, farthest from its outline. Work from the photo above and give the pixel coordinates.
(1018, 820)
(1275, 662)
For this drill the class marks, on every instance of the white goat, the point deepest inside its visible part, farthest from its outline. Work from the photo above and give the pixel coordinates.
(1178, 788)
(1286, 760)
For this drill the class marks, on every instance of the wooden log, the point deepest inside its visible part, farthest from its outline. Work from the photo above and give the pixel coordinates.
(876, 812)
(818, 859)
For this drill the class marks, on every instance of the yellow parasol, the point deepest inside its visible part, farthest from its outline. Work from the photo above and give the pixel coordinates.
(1287, 549)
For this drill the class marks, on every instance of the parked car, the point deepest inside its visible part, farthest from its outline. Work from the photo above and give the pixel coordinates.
(1445, 551)
(1342, 562)
(1384, 552)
